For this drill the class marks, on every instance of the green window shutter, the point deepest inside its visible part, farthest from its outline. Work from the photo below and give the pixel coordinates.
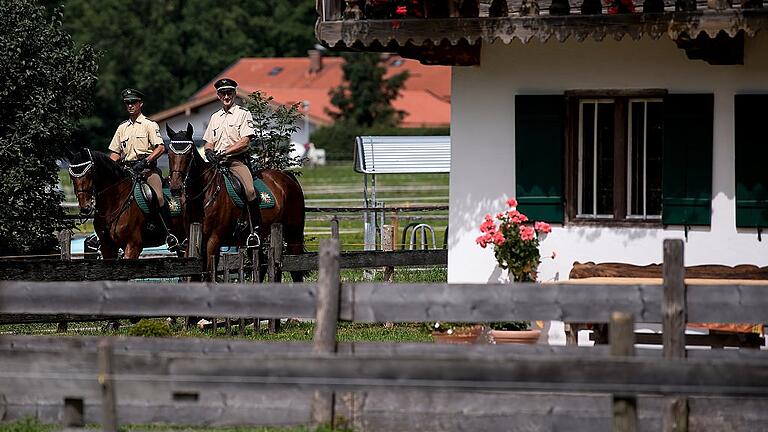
(539, 140)
(687, 172)
(751, 157)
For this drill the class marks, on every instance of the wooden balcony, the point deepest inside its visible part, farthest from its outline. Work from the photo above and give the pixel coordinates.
(452, 31)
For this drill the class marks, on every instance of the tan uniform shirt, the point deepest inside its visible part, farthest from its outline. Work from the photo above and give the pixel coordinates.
(228, 127)
(135, 140)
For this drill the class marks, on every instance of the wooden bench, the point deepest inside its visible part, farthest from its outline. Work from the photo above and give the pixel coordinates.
(720, 335)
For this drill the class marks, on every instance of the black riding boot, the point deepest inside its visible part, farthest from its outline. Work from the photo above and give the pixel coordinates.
(170, 239)
(254, 211)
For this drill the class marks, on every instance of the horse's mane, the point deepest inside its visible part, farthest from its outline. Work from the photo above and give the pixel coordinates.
(107, 166)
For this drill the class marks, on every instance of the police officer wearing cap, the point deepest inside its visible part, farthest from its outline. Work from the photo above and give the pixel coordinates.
(228, 138)
(137, 143)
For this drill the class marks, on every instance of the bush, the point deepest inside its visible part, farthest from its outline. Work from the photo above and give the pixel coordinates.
(338, 140)
(150, 328)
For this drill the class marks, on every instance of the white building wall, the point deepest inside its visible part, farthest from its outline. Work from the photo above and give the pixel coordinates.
(483, 148)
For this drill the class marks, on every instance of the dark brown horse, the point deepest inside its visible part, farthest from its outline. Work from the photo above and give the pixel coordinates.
(204, 192)
(106, 190)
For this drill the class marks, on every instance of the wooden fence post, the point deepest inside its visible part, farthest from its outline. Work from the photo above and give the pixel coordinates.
(65, 243)
(674, 317)
(108, 402)
(275, 264)
(622, 338)
(227, 279)
(256, 278)
(214, 266)
(388, 245)
(335, 228)
(241, 280)
(193, 251)
(327, 316)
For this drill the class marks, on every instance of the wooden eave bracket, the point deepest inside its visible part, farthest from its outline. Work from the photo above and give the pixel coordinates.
(720, 50)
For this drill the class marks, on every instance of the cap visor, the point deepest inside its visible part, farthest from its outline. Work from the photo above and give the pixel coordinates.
(225, 88)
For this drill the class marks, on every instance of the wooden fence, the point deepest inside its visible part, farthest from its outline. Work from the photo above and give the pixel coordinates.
(73, 380)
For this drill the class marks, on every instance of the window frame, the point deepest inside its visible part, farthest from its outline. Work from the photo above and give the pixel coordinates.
(621, 100)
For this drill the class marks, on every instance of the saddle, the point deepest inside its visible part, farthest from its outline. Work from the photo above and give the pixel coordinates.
(236, 191)
(147, 201)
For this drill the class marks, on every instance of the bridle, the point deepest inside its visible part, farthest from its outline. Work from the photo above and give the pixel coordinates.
(185, 150)
(78, 171)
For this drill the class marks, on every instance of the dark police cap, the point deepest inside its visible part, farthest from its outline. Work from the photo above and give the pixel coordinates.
(130, 95)
(225, 84)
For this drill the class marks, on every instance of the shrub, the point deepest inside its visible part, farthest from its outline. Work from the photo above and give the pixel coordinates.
(150, 328)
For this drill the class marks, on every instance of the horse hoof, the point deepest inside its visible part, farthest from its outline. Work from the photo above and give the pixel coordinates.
(203, 323)
(172, 242)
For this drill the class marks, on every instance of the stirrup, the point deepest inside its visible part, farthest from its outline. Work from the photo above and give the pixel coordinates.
(253, 240)
(172, 242)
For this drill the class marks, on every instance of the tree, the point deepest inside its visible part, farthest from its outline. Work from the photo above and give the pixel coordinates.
(45, 89)
(366, 97)
(274, 123)
(170, 49)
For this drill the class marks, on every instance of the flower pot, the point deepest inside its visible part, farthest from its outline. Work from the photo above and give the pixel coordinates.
(459, 336)
(515, 336)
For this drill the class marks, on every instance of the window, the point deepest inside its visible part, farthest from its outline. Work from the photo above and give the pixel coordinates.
(615, 157)
(618, 158)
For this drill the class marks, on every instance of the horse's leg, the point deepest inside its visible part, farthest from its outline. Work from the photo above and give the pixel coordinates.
(108, 250)
(295, 239)
(133, 250)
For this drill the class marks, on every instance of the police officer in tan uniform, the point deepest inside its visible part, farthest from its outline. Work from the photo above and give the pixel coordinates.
(137, 144)
(228, 138)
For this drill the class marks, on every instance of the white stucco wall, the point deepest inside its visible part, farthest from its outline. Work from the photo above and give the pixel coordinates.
(483, 148)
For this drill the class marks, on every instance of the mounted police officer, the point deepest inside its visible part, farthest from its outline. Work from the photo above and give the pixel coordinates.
(137, 144)
(227, 140)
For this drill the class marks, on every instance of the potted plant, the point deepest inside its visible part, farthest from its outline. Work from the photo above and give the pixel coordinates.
(515, 243)
(455, 333)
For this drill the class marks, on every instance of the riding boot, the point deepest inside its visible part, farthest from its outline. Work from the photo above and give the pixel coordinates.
(254, 212)
(170, 239)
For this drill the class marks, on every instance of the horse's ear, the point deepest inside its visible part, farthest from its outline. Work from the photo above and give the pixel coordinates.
(189, 130)
(169, 131)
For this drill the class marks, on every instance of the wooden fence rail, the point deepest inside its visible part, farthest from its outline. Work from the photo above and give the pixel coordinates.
(375, 302)
(178, 383)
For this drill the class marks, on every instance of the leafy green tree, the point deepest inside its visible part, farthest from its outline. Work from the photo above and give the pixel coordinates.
(274, 124)
(170, 49)
(366, 97)
(45, 88)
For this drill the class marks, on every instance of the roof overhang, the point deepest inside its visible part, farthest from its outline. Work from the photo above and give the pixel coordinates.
(457, 41)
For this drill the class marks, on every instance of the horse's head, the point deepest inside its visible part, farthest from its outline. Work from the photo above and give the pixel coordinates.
(82, 172)
(180, 157)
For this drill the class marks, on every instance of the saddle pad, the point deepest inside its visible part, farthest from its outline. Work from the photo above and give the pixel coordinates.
(266, 198)
(174, 205)
(141, 200)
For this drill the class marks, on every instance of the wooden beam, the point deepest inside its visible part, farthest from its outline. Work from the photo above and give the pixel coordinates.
(369, 35)
(90, 270)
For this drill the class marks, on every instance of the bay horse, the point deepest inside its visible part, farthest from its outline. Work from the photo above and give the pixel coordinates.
(105, 190)
(205, 197)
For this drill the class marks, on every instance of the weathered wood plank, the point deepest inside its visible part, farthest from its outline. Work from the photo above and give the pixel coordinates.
(93, 270)
(366, 259)
(673, 325)
(501, 302)
(157, 299)
(590, 269)
(377, 302)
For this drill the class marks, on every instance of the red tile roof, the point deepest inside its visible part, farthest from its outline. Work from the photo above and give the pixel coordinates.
(425, 98)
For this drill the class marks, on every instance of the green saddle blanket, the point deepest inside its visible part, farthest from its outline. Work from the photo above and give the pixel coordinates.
(141, 200)
(266, 197)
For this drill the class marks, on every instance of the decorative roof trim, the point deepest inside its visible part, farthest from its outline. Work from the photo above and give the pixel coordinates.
(419, 32)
